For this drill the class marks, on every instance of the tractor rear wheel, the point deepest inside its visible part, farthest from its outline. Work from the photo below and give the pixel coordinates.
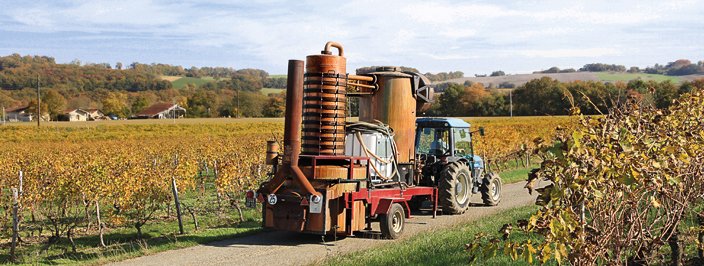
(392, 223)
(491, 189)
(455, 188)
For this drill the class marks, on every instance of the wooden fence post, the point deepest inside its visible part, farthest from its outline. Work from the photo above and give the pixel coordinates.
(100, 223)
(174, 189)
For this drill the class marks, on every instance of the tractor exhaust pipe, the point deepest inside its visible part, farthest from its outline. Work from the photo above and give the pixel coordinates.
(292, 132)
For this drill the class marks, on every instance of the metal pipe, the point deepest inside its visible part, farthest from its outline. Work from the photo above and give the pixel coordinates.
(361, 78)
(360, 85)
(336, 45)
(294, 112)
(292, 132)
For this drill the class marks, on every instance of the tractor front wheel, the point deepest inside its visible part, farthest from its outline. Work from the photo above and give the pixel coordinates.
(491, 189)
(392, 222)
(455, 188)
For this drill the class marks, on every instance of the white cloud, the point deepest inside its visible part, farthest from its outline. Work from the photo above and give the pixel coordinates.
(568, 53)
(424, 33)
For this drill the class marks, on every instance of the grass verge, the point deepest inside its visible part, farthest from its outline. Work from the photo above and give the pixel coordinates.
(160, 234)
(516, 175)
(439, 247)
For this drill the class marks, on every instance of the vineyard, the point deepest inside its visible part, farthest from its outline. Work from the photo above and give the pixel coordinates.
(623, 189)
(91, 182)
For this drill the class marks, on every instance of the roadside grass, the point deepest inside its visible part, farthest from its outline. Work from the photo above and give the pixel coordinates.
(440, 247)
(516, 175)
(159, 234)
(514, 171)
(122, 244)
(612, 77)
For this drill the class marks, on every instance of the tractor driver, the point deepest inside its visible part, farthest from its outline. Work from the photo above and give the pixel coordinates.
(439, 145)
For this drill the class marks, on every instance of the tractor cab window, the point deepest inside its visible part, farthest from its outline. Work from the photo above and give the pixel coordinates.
(463, 141)
(435, 141)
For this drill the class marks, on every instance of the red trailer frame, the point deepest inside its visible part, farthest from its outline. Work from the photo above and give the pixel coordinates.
(377, 200)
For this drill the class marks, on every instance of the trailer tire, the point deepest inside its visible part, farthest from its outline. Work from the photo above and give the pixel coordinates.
(393, 222)
(455, 188)
(491, 189)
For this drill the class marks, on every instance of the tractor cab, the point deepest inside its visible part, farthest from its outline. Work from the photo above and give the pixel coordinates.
(445, 152)
(445, 139)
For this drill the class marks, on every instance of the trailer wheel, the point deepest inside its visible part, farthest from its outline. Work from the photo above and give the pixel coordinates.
(491, 189)
(393, 222)
(455, 188)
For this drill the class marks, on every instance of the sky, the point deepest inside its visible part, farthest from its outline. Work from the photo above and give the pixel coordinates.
(476, 37)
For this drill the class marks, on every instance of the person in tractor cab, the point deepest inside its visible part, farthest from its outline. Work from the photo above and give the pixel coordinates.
(440, 146)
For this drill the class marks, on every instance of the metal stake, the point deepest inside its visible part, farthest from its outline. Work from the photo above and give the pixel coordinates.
(510, 99)
(39, 105)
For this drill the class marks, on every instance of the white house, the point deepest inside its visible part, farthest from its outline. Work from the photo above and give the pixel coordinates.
(95, 114)
(82, 115)
(75, 115)
(22, 114)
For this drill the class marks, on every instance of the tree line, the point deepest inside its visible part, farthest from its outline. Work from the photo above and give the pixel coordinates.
(547, 96)
(237, 92)
(679, 67)
(125, 91)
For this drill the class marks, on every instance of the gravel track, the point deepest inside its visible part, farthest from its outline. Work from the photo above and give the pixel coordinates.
(284, 248)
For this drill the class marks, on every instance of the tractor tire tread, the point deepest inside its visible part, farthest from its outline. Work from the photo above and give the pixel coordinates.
(487, 198)
(446, 197)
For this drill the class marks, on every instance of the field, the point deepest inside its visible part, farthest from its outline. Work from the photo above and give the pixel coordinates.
(267, 91)
(613, 77)
(180, 82)
(520, 79)
(123, 171)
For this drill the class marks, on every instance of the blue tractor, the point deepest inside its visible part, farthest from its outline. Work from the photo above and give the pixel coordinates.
(446, 156)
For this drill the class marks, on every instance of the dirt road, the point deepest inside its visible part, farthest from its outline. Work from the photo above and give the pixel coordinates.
(282, 248)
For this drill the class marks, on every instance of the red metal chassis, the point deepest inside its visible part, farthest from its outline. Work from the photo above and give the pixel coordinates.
(377, 200)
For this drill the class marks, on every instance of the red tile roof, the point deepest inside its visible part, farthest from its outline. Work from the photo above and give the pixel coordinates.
(155, 109)
(17, 109)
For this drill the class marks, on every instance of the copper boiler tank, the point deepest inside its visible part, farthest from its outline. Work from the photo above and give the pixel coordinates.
(394, 103)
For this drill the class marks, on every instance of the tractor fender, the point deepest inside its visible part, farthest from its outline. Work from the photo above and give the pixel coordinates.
(458, 160)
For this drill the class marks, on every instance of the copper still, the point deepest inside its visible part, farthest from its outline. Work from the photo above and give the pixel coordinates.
(324, 102)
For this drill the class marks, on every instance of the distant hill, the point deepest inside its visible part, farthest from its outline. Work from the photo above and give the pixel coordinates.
(520, 79)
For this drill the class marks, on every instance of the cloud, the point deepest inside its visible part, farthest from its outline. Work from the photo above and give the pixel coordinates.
(428, 34)
(569, 53)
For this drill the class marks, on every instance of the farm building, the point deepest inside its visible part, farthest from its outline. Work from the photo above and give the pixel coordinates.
(95, 114)
(22, 114)
(82, 115)
(162, 111)
(74, 115)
